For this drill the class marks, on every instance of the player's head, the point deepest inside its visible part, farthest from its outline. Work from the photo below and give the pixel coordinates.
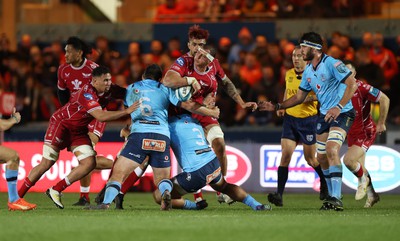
(153, 72)
(101, 79)
(311, 43)
(297, 58)
(197, 38)
(76, 50)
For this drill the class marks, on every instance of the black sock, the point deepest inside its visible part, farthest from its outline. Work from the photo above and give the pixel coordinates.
(320, 174)
(370, 181)
(283, 173)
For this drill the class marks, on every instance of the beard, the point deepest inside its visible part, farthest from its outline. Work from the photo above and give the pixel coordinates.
(308, 55)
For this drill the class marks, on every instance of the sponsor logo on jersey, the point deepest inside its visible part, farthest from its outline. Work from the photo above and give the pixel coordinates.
(67, 74)
(383, 164)
(341, 68)
(153, 145)
(93, 65)
(300, 173)
(180, 61)
(86, 75)
(88, 96)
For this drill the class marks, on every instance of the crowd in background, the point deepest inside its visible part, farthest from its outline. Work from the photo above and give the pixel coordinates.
(255, 65)
(231, 10)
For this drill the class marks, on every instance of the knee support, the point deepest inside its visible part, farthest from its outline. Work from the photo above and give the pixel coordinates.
(336, 136)
(83, 151)
(50, 154)
(214, 133)
(321, 147)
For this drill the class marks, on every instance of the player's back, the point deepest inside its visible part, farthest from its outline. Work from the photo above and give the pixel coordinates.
(189, 143)
(154, 97)
(74, 78)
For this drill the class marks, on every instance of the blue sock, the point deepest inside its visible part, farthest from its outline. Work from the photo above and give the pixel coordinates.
(327, 177)
(251, 202)
(336, 173)
(12, 177)
(165, 185)
(112, 191)
(189, 205)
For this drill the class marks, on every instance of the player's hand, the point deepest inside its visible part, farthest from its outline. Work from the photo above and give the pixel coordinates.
(133, 107)
(16, 116)
(250, 105)
(280, 113)
(196, 86)
(266, 106)
(380, 128)
(215, 112)
(209, 101)
(332, 114)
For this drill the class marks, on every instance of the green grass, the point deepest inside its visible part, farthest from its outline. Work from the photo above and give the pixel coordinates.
(299, 219)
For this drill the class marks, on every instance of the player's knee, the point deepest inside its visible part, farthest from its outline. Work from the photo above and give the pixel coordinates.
(84, 151)
(321, 147)
(14, 157)
(50, 154)
(336, 136)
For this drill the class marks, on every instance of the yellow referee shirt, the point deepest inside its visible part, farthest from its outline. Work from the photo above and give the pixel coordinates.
(302, 110)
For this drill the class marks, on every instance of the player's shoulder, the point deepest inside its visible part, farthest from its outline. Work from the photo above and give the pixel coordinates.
(92, 65)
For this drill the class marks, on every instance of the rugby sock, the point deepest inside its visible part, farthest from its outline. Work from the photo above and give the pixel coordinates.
(85, 192)
(327, 177)
(12, 177)
(336, 173)
(25, 187)
(112, 191)
(132, 178)
(283, 173)
(61, 185)
(370, 180)
(358, 172)
(322, 180)
(189, 205)
(251, 202)
(198, 196)
(165, 185)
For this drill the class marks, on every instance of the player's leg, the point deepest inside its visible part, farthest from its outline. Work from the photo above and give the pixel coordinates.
(87, 162)
(353, 154)
(161, 180)
(11, 158)
(309, 155)
(49, 157)
(372, 196)
(288, 147)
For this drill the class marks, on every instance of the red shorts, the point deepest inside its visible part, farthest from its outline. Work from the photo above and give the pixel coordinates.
(205, 120)
(60, 135)
(97, 127)
(362, 139)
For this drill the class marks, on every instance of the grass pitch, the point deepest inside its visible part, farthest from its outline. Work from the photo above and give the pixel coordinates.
(299, 219)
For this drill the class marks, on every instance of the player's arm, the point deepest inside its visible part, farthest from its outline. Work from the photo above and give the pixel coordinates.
(7, 124)
(63, 96)
(172, 79)
(351, 87)
(384, 103)
(231, 90)
(196, 108)
(292, 101)
(103, 116)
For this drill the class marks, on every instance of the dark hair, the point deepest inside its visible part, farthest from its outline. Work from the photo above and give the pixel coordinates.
(346, 62)
(312, 37)
(195, 32)
(100, 70)
(79, 44)
(212, 49)
(153, 72)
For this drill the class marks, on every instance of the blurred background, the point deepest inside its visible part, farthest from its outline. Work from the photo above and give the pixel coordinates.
(254, 39)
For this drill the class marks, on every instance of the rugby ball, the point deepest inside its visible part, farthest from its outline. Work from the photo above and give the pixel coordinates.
(184, 93)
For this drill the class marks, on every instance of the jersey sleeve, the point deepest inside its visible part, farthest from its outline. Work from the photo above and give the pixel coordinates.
(88, 102)
(60, 81)
(371, 93)
(220, 73)
(304, 84)
(338, 69)
(172, 97)
(180, 66)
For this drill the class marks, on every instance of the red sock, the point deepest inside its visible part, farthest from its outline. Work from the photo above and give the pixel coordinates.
(198, 196)
(85, 195)
(61, 185)
(359, 172)
(218, 193)
(132, 178)
(25, 187)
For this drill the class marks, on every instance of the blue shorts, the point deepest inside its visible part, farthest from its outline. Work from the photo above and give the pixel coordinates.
(300, 129)
(344, 121)
(193, 181)
(141, 145)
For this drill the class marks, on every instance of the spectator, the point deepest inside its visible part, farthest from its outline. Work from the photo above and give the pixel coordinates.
(169, 11)
(245, 43)
(368, 71)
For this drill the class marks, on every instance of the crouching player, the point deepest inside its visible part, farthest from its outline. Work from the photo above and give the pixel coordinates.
(200, 166)
(362, 135)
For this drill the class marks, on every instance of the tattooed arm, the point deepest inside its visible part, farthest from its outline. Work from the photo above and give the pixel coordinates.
(231, 90)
